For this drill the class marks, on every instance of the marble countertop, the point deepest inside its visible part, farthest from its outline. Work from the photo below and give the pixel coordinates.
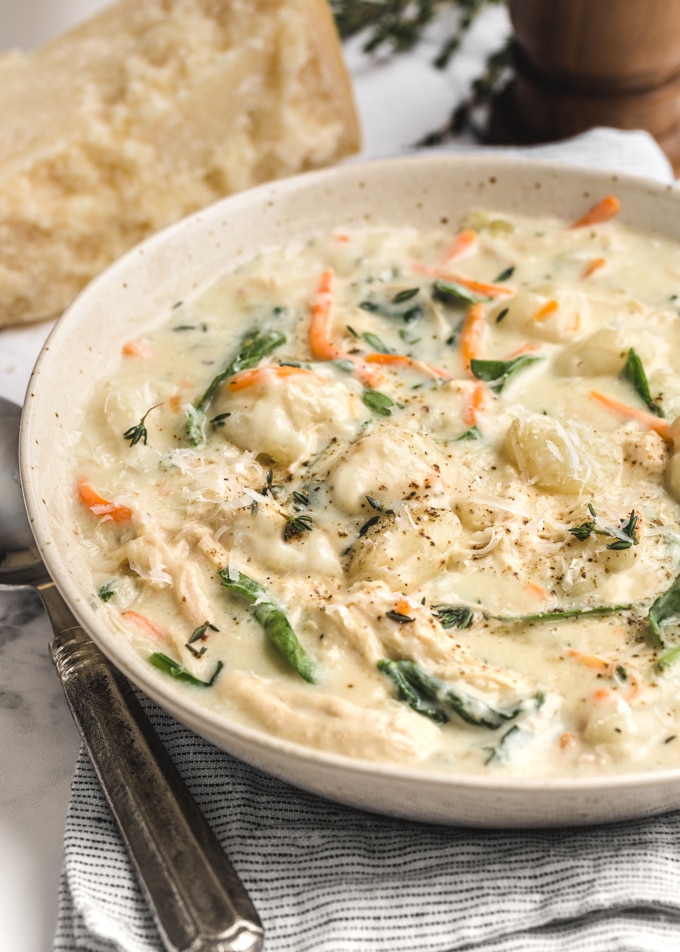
(399, 101)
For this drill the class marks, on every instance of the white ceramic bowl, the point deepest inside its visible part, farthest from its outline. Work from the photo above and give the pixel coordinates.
(422, 191)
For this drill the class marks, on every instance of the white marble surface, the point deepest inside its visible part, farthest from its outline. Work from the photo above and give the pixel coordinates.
(399, 101)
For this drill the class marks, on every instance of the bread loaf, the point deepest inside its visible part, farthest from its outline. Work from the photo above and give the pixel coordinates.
(147, 112)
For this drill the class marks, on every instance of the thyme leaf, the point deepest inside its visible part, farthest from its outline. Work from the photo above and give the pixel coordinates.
(201, 631)
(504, 276)
(296, 525)
(453, 616)
(634, 372)
(179, 672)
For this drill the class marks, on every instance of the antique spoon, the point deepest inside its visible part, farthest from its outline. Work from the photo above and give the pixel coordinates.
(199, 903)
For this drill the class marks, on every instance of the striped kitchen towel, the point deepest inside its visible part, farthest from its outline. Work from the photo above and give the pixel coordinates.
(327, 878)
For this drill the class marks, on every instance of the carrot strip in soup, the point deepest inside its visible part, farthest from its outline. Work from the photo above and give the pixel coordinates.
(320, 326)
(648, 420)
(402, 360)
(544, 311)
(593, 266)
(482, 289)
(256, 375)
(464, 243)
(136, 348)
(100, 506)
(471, 334)
(320, 342)
(144, 624)
(601, 212)
(475, 404)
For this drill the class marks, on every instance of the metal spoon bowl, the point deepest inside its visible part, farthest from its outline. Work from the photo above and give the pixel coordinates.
(199, 903)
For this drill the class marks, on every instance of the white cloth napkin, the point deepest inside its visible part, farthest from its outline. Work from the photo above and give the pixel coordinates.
(326, 878)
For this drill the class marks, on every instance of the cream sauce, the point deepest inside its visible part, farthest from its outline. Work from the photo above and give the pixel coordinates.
(384, 483)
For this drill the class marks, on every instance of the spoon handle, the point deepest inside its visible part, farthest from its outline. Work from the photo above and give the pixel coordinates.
(196, 896)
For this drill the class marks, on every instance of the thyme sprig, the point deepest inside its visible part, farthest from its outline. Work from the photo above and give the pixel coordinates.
(139, 433)
(624, 535)
(396, 26)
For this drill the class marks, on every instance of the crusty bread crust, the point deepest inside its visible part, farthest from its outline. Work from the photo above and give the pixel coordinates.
(147, 112)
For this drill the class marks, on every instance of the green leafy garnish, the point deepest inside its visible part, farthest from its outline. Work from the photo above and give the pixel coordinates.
(624, 535)
(273, 620)
(254, 345)
(499, 752)
(666, 608)
(376, 343)
(634, 372)
(497, 372)
(438, 701)
(296, 525)
(473, 433)
(453, 616)
(561, 614)
(399, 617)
(377, 401)
(451, 292)
(401, 307)
(138, 433)
(106, 592)
(505, 275)
(202, 630)
(179, 672)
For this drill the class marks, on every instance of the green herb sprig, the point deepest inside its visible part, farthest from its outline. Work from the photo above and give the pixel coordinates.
(273, 620)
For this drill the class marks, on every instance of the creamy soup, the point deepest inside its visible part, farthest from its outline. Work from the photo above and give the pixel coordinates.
(409, 496)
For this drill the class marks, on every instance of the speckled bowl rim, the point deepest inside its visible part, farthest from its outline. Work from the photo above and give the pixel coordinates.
(418, 189)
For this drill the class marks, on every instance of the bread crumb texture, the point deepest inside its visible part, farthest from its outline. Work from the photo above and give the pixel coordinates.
(146, 113)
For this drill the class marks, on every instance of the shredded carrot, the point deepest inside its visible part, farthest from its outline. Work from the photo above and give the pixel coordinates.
(590, 660)
(471, 334)
(577, 323)
(475, 404)
(464, 243)
(535, 589)
(320, 342)
(256, 375)
(593, 266)
(144, 624)
(319, 328)
(480, 288)
(136, 348)
(648, 420)
(402, 360)
(342, 237)
(544, 311)
(567, 739)
(403, 606)
(100, 506)
(602, 694)
(600, 212)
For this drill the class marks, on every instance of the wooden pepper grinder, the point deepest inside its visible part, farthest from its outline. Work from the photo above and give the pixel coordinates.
(584, 63)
